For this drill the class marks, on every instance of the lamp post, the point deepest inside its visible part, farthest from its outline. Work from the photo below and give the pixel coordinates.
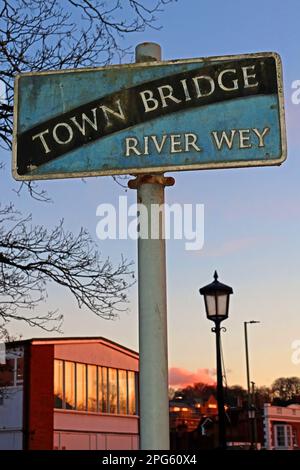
(255, 415)
(216, 298)
(251, 410)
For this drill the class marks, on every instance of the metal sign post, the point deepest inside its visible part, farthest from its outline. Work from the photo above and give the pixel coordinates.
(153, 336)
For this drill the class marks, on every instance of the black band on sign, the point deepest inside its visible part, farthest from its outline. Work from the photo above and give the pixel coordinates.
(207, 85)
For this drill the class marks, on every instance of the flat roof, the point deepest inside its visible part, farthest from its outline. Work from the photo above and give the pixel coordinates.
(70, 339)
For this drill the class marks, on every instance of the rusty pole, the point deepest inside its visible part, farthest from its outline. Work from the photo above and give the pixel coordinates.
(153, 344)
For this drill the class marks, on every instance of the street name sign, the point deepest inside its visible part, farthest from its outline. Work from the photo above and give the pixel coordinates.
(190, 114)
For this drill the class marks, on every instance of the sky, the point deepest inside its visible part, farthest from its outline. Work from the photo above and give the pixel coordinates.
(251, 216)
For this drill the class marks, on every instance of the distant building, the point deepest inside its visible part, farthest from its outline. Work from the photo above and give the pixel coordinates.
(183, 416)
(69, 393)
(210, 407)
(190, 414)
(282, 427)
(194, 425)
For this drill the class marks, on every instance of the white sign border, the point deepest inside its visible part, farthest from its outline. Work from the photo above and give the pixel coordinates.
(163, 169)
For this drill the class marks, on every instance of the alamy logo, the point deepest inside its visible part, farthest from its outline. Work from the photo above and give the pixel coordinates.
(175, 221)
(296, 93)
(295, 358)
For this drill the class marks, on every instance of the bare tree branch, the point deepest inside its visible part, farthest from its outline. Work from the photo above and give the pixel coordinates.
(32, 256)
(39, 35)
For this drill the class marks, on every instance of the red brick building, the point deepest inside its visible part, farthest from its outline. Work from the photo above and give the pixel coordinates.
(69, 393)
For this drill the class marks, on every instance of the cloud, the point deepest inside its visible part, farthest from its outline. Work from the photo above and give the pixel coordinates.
(180, 378)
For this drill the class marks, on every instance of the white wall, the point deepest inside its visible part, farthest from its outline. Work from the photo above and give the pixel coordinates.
(11, 440)
(11, 418)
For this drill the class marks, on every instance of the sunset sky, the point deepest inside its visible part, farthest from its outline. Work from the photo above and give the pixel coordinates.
(252, 216)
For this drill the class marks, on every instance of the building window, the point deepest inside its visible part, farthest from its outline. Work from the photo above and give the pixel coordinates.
(58, 384)
(289, 436)
(283, 436)
(81, 387)
(112, 391)
(20, 371)
(11, 373)
(100, 391)
(69, 385)
(132, 406)
(280, 436)
(104, 390)
(295, 440)
(92, 388)
(122, 391)
(7, 373)
(86, 387)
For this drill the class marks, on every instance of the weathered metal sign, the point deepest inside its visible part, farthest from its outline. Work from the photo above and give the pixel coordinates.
(180, 115)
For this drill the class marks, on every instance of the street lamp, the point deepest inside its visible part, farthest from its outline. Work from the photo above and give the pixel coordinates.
(216, 298)
(251, 408)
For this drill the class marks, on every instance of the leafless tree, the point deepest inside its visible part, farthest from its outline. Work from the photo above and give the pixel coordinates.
(39, 35)
(32, 256)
